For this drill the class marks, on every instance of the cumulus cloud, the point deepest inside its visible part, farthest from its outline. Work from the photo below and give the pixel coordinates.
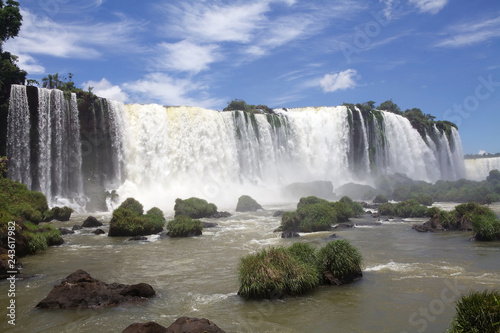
(185, 56)
(105, 89)
(338, 81)
(429, 6)
(166, 90)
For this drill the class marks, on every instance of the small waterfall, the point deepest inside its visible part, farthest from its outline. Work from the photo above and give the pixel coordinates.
(18, 136)
(45, 142)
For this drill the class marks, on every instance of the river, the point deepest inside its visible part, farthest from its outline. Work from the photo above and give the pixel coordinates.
(410, 281)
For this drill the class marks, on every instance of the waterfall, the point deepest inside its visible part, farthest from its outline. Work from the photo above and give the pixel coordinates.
(84, 146)
(479, 168)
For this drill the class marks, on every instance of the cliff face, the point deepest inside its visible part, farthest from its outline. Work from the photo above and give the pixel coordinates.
(77, 147)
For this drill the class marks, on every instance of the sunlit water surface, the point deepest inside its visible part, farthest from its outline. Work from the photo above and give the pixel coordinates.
(410, 279)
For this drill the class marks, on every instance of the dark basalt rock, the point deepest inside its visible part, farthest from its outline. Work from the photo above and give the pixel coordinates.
(59, 214)
(333, 236)
(80, 290)
(278, 213)
(138, 238)
(77, 227)
(218, 215)
(99, 232)
(289, 234)
(193, 325)
(247, 204)
(66, 231)
(91, 222)
(344, 226)
(209, 224)
(149, 327)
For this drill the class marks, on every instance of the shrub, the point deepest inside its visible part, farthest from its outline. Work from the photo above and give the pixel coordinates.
(194, 208)
(128, 220)
(449, 220)
(431, 211)
(310, 218)
(408, 208)
(304, 201)
(477, 312)
(58, 213)
(247, 204)
(274, 273)
(424, 199)
(386, 209)
(17, 202)
(380, 199)
(40, 238)
(355, 207)
(486, 227)
(340, 262)
(184, 226)
(277, 272)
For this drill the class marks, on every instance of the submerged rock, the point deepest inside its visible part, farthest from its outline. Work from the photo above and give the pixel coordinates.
(247, 204)
(218, 215)
(289, 234)
(278, 213)
(138, 238)
(209, 224)
(91, 222)
(80, 290)
(149, 327)
(99, 232)
(66, 231)
(77, 227)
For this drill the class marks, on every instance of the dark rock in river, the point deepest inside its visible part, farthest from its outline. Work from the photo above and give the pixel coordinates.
(99, 232)
(59, 214)
(247, 204)
(80, 290)
(218, 215)
(193, 325)
(289, 234)
(138, 238)
(343, 226)
(77, 227)
(278, 213)
(66, 231)
(333, 236)
(91, 222)
(149, 327)
(209, 224)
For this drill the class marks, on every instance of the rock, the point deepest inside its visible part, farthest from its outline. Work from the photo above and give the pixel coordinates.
(369, 212)
(209, 224)
(218, 215)
(91, 222)
(8, 264)
(278, 213)
(149, 327)
(247, 204)
(375, 215)
(289, 234)
(99, 232)
(129, 220)
(80, 290)
(66, 231)
(332, 236)
(194, 208)
(138, 238)
(193, 325)
(432, 225)
(77, 227)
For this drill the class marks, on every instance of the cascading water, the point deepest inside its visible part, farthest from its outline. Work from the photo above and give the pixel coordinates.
(479, 168)
(156, 154)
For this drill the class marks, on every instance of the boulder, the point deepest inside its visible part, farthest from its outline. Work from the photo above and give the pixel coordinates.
(80, 290)
(194, 208)
(247, 204)
(432, 225)
(278, 213)
(99, 232)
(209, 224)
(289, 234)
(59, 214)
(138, 238)
(193, 325)
(149, 327)
(91, 222)
(77, 227)
(66, 231)
(218, 215)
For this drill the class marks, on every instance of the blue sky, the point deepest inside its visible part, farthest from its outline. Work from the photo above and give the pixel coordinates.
(442, 56)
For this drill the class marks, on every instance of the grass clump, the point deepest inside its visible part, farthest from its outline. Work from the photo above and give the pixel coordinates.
(408, 208)
(194, 208)
(128, 220)
(478, 312)
(279, 271)
(184, 226)
(19, 203)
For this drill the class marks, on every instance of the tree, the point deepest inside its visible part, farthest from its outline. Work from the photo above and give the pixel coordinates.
(10, 20)
(390, 106)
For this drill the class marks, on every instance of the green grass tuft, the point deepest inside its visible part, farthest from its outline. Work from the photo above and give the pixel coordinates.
(478, 312)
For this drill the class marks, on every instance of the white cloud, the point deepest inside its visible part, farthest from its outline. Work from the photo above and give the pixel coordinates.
(472, 33)
(41, 35)
(338, 81)
(185, 56)
(429, 6)
(163, 89)
(105, 89)
(28, 63)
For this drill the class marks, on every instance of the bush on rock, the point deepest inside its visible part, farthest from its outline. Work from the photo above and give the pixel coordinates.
(477, 312)
(184, 226)
(194, 208)
(278, 271)
(247, 204)
(129, 220)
